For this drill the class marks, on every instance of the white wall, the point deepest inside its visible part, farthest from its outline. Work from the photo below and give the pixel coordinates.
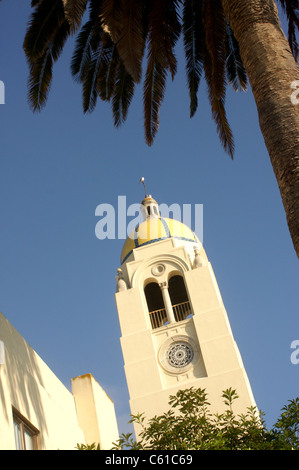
(28, 385)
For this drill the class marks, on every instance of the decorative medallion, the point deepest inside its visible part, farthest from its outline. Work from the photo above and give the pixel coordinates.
(178, 354)
(158, 269)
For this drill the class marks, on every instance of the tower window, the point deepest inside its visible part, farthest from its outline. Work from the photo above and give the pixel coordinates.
(179, 298)
(180, 306)
(155, 305)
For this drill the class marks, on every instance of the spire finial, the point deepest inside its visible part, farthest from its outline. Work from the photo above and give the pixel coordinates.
(142, 181)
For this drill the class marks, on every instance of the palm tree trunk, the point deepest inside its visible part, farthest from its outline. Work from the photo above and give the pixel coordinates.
(271, 69)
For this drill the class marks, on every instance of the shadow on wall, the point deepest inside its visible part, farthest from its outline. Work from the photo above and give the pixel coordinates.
(21, 381)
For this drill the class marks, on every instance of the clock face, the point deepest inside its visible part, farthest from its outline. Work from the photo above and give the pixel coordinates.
(178, 354)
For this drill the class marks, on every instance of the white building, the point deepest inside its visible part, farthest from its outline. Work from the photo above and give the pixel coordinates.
(174, 327)
(38, 412)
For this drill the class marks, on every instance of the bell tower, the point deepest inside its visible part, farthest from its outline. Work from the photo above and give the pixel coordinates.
(175, 332)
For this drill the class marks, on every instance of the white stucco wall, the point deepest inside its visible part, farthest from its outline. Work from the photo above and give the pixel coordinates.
(28, 385)
(95, 411)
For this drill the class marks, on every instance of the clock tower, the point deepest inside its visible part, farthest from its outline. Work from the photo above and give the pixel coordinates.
(175, 332)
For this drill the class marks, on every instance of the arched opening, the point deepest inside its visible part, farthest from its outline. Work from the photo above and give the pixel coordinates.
(179, 298)
(155, 305)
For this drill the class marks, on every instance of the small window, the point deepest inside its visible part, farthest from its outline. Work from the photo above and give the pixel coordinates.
(155, 304)
(25, 433)
(179, 298)
(177, 290)
(153, 297)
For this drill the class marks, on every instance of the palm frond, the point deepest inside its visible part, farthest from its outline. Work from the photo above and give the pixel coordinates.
(163, 32)
(111, 14)
(131, 40)
(74, 10)
(218, 108)
(193, 35)
(95, 60)
(87, 41)
(215, 26)
(89, 35)
(45, 21)
(154, 90)
(222, 125)
(40, 77)
(123, 93)
(107, 71)
(40, 70)
(235, 70)
(291, 9)
(90, 79)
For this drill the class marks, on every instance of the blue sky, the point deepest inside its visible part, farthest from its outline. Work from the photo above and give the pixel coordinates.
(57, 279)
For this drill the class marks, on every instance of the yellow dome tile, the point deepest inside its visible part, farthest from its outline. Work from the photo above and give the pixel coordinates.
(153, 230)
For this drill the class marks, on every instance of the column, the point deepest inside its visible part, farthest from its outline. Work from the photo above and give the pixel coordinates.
(167, 302)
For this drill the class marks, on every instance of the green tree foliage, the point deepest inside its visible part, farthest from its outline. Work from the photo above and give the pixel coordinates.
(189, 424)
(92, 446)
(287, 425)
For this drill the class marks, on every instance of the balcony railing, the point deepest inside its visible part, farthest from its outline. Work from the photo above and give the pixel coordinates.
(181, 312)
(158, 318)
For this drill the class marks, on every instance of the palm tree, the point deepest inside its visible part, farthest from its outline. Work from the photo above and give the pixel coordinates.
(225, 41)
